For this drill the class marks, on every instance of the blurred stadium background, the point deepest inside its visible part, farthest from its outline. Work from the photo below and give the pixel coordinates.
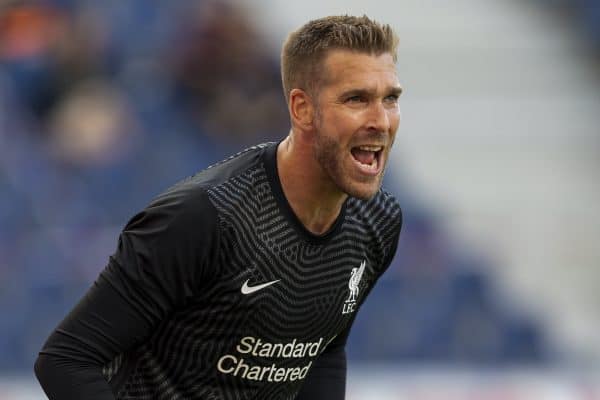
(494, 293)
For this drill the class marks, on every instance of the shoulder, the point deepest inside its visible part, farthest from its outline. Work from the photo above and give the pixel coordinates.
(378, 222)
(187, 204)
(237, 165)
(382, 211)
(190, 199)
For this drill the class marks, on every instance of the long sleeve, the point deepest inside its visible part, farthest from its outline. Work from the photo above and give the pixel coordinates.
(159, 264)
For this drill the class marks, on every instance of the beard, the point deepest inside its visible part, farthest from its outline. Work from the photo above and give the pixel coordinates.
(331, 157)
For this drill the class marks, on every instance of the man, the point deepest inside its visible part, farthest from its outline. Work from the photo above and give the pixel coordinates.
(242, 281)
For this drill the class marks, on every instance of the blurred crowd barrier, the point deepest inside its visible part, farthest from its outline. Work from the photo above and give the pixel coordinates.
(102, 106)
(105, 104)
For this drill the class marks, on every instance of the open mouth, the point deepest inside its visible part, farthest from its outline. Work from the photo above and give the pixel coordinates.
(368, 158)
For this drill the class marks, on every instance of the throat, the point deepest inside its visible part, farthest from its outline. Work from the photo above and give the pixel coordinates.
(313, 200)
(320, 221)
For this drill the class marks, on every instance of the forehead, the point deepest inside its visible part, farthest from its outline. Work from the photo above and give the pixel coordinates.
(349, 69)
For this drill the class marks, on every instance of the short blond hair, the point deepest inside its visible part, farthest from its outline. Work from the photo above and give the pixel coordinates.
(305, 49)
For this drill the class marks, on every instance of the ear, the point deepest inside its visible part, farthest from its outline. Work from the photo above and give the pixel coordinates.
(301, 109)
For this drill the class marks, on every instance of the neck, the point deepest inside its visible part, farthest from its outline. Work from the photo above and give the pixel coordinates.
(313, 198)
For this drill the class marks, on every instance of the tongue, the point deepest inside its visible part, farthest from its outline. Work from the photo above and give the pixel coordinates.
(363, 156)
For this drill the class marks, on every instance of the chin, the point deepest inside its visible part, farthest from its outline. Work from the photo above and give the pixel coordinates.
(362, 191)
(363, 195)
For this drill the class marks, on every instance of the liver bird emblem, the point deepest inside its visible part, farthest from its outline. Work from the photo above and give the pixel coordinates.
(355, 276)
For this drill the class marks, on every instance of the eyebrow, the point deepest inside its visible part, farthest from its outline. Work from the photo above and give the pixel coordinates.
(396, 90)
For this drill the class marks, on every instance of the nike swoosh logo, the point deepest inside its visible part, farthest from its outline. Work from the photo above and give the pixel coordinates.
(251, 289)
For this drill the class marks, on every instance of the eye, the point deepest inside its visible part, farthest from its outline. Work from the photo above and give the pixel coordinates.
(355, 99)
(392, 99)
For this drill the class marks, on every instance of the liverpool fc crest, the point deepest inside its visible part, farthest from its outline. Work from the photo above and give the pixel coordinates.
(355, 276)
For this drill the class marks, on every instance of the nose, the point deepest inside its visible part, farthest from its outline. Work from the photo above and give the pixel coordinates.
(378, 120)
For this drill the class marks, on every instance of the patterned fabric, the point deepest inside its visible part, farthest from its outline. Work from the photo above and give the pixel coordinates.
(273, 298)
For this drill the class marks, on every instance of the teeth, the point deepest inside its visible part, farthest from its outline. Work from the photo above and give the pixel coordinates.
(370, 148)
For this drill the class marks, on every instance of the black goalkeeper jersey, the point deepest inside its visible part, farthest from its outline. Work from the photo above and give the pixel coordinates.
(217, 291)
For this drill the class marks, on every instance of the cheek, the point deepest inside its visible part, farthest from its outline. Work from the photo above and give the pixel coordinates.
(341, 126)
(394, 118)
